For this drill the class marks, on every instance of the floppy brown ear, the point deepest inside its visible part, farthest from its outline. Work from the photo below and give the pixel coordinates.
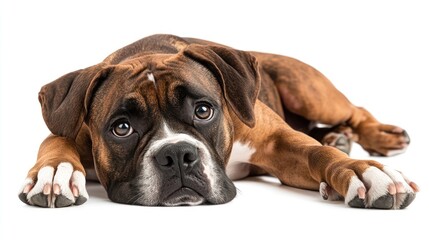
(237, 73)
(64, 101)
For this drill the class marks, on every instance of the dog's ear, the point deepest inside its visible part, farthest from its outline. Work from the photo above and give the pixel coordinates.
(65, 101)
(237, 73)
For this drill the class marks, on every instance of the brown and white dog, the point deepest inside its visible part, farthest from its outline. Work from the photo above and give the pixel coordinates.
(172, 121)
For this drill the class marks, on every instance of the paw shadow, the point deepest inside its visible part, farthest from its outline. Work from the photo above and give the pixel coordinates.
(274, 183)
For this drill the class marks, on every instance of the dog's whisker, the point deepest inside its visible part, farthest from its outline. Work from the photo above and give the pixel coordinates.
(135, 199)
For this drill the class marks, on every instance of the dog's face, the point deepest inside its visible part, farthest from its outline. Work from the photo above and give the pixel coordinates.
(161, 125)
(162, 137)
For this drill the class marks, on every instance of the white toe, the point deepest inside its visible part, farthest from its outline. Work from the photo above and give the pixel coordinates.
(354, 186)
(78, 180)
(44, 176)
(27, 181)
(401, 183)
(378, 184)
(397, 177)
(62, 178)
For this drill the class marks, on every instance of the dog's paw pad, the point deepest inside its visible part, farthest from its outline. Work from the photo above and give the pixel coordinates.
(384, 202)
(357, 202)
(62, 201)
(80, 200)
(40, 200)
(407, 199)
(23, 197)
(339, 141)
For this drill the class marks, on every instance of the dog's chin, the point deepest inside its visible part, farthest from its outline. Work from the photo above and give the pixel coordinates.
(184, 197)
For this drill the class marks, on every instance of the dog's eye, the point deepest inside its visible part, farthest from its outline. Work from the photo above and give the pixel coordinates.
(203, 111)
(122, 129)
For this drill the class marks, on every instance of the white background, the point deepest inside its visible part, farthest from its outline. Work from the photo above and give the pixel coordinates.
(376, 52)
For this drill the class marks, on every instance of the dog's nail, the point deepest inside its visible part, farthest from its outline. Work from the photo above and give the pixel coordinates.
(57, 189)
(414, 186)
(361, 192)
(47, 189)
(399, 188)
(27, 188)
(75, 191)
(397, 130)
(392, 189)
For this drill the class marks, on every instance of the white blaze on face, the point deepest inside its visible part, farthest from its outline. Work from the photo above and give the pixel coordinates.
(150, 183)
(151, 77)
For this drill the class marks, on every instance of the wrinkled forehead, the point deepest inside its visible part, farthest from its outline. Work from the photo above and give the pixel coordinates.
(150, 83)
(187, 78)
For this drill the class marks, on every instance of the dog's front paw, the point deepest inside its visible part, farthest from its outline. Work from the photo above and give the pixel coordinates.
(55, 188)
(380, 188)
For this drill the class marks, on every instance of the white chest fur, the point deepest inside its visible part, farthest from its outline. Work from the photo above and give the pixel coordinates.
(238, 166)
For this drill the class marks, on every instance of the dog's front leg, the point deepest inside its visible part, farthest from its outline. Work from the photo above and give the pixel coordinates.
(58, 177)
(300, 161)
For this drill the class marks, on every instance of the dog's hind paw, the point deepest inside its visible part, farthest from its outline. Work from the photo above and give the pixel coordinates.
(328, 193)
(383, 140)
(61, 188)
(339, 141)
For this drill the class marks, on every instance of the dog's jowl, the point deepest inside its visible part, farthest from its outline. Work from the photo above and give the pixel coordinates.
(172, 121)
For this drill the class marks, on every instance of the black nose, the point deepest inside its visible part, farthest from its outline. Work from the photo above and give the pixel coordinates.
(180, 154)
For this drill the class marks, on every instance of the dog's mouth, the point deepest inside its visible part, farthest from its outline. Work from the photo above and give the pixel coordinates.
(175, 173)
(184, 196)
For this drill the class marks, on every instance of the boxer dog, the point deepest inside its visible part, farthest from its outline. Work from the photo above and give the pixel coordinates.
(172, 121)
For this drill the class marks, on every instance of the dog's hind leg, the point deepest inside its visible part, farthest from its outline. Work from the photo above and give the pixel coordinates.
(306, 92)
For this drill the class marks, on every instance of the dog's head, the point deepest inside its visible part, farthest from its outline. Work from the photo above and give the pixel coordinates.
(161, 125)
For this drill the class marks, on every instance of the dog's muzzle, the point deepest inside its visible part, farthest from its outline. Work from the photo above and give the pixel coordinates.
(178, 160)
(176, 169)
